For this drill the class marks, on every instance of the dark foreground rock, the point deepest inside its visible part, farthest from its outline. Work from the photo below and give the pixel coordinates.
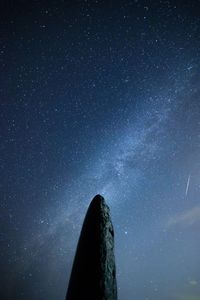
(93, 275)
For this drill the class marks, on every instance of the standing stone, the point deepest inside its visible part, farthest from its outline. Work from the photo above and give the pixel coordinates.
(93, 275)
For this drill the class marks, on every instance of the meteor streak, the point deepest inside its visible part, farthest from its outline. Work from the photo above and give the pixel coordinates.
(187, 186)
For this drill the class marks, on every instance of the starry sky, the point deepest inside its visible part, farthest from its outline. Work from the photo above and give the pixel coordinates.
(100, 97)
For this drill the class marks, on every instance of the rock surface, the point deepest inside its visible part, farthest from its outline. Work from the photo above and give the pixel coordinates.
(93, 275)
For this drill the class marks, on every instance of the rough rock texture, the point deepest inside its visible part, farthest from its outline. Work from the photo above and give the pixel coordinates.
(93, 274)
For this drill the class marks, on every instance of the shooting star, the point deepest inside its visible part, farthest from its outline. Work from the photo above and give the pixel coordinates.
(187, 186)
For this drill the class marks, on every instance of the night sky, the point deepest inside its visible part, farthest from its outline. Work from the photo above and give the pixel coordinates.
(100, 97)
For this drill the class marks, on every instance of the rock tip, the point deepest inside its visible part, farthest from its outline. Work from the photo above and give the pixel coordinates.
(98, 199)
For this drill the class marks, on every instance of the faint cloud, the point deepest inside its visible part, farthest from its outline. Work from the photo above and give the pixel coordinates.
(186, 218)
(193, 282)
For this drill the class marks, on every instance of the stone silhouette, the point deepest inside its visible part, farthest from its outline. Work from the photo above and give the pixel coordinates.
(93, 275)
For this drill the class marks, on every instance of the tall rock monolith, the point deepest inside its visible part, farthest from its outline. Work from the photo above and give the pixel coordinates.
(93, 275)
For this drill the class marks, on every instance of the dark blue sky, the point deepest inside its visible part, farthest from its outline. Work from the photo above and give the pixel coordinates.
(100, 97)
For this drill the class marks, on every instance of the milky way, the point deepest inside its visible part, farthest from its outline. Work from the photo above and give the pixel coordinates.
(101, 98)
